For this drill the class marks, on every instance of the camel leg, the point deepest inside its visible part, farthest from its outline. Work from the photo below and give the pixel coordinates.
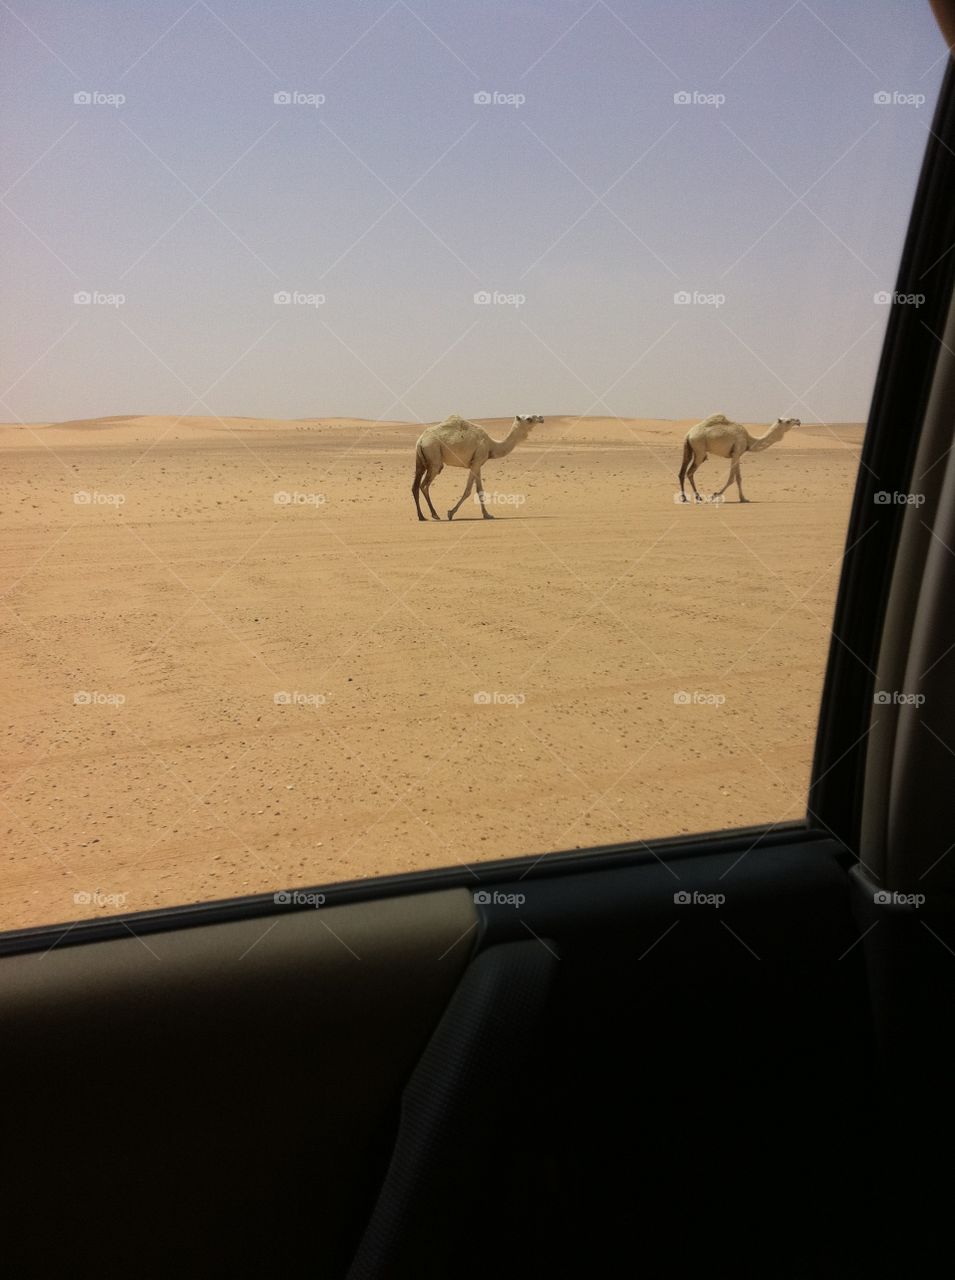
(420, 468)
(734, 474)
(433, 472)
(472, 476)
(480, 490)
(691, 472)
(729, 479)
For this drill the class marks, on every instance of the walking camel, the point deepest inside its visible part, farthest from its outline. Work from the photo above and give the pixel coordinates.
(459, 443)
(725, 439)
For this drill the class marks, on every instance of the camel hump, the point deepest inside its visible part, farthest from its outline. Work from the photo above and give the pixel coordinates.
(714, 420)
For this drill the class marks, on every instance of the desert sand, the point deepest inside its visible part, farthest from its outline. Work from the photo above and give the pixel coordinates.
(234, 661)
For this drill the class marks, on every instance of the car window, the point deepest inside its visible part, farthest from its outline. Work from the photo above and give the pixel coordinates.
(596, 290)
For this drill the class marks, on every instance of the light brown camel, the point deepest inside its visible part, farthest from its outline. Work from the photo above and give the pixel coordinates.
(459, 443)
(725, 439)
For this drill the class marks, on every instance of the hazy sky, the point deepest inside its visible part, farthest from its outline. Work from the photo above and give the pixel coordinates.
(597, 200)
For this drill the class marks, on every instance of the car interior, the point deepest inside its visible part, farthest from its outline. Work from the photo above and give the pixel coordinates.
(541, 1066)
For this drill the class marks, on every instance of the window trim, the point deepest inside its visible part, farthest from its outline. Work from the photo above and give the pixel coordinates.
(741, 840)
(903, 386)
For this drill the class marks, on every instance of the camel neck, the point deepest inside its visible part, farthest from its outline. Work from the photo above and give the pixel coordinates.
(756, 443)
(503, 447)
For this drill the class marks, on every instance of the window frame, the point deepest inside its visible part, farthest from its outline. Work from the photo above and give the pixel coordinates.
(901, 394)
(834, 799)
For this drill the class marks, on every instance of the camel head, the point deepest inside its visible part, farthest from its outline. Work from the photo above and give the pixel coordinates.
(528, 420)
(782, 425)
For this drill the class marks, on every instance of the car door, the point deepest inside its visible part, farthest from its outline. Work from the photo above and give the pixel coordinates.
(684, 1054)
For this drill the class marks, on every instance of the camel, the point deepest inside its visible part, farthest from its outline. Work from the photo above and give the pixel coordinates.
(717, 435)
(459, 443)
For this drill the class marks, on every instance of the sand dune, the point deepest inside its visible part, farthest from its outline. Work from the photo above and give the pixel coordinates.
(235, 661)
(146, 428)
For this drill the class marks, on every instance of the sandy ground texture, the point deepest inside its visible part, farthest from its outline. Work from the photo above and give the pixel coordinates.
(234, 661)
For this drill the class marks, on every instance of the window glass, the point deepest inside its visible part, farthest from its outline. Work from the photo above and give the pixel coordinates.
(257, 253)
